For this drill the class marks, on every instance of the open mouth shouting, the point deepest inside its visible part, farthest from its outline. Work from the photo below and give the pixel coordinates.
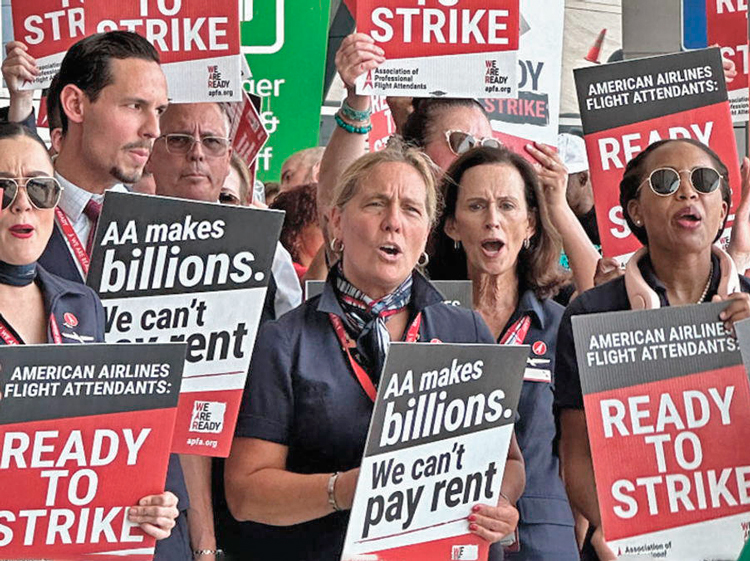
(389, 251)
(492, 247)
(22, 230)
(689, 218)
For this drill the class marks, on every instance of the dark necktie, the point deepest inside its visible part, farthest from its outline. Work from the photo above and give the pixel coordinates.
(92, 210)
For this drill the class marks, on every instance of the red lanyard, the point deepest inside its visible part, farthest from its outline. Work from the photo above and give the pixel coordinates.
(516, 333)
(74, 243)
(7, 335)
(346, 344)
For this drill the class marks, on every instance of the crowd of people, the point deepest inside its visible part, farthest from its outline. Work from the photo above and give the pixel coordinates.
(444, 201)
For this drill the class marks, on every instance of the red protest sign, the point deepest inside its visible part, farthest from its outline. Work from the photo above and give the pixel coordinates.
(198, 42)
(383, 125)
(457, 48)
(627, 106)
(247, 132)
(727, 28)
(667, 405)
(84, 435)
(48, 28)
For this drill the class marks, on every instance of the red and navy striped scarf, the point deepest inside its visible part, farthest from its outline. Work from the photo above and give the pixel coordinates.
(365, 319)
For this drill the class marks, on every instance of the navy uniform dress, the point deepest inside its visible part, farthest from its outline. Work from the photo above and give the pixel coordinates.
(64, 297)
(302, 394)
(546, 523)
(609, 297)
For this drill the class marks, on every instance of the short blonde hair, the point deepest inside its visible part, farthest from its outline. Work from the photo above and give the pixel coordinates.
(397, 152)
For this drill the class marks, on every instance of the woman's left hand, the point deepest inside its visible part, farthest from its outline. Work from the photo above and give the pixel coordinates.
(155, 514)
(738, 309)
(493, 523)
(553, 175)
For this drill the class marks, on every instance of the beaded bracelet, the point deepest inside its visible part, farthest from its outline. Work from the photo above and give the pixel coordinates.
(353, 115)
(351, 128)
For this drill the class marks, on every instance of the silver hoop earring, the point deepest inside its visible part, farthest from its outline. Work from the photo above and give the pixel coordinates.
(526, 243)
(456, 245)
(333, 247)
(423, 259)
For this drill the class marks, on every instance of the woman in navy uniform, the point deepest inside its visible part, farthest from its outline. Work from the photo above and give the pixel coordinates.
(675, 197)
(496, 231)
(305, 414)
(38, 307)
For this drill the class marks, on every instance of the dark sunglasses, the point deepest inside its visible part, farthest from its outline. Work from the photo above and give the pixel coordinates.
(43, 192)
(666, 181)
(460, 141)
(178, 143)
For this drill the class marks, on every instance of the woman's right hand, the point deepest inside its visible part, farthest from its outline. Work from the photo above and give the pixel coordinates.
(357, 54)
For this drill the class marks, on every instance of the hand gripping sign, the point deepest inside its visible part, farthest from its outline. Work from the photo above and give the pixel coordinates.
(626, 106)
(727, 27)
(48, 28)
(176, 270)
(198, 42)
(84, 435)
(667, 405)
(437, 445)
(435, 48)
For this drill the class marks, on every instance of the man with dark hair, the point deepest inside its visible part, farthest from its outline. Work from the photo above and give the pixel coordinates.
(108, 97)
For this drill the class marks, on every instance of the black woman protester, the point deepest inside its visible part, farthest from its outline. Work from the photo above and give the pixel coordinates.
(675, 196)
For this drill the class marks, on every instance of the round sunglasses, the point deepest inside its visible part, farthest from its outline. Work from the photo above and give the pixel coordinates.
(43, 192)
(665, 181)
(460, 141)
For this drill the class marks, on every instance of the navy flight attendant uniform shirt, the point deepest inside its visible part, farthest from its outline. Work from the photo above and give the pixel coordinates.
(609, 297)
(545, 527)
(301, 393)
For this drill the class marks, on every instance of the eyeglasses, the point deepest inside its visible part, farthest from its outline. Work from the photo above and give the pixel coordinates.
(213, 146)
(460, 141)
(666, 181)
(43, 192)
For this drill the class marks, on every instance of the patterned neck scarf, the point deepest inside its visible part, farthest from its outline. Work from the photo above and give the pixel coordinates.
(365, 319)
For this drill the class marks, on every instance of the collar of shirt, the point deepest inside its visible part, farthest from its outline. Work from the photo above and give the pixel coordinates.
(528, 304)
(423, 294)
(649, 275)
(74, 199)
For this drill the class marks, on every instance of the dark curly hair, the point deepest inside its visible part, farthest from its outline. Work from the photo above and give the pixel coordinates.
(633, 177)
(300, 205)
(538, 265)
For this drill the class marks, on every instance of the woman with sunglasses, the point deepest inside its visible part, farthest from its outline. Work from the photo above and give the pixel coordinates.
(35, 305)
(675, 196)
(495, 230)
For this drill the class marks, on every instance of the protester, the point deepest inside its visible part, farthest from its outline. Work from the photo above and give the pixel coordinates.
(110, 92)
(675, 197)
(236, 188)
(301, 168)
(191, 160)
(495, 230)
(290, 444)
(443, 128)
(300, 235)
(33, 300)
